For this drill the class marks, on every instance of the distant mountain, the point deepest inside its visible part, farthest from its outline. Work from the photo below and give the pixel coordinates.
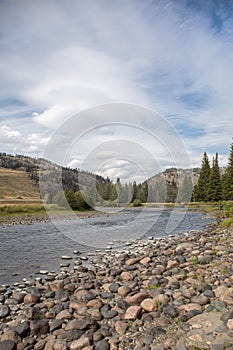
(176, 175)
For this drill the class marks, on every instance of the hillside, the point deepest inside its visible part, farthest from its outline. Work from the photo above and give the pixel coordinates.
(20, 177)
(176, 175)
(17, 187)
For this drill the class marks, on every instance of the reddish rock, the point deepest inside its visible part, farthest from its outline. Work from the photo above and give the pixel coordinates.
(137, 298)
(64, 315)
(148, 305)
(80, 343)
(81, 294)
(123, 291)
(126, 276)
(56, 286)
(191, 307)
(171, 264)
(120, 327)
(31, 298)
(133, 312)
(131, 261)
(145, 260)
(95, 304)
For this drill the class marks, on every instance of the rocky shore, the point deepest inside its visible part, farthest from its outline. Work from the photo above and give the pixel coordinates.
(29, 219)
(157, 294)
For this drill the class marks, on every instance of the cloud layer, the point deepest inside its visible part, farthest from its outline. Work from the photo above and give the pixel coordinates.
(59, 58)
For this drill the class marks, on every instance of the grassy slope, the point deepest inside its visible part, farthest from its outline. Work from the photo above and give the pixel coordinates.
(17, 188)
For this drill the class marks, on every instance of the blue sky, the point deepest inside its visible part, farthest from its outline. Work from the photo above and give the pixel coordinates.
(172, 56)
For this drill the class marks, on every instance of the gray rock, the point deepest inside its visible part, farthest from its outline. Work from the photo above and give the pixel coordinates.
(109, 314)
(114, 287)
(171, 311)
(7, 345)
(4, 311)
(23, 329)
(102, 345)
(122, 304)
(55, 324)
(221, 329)
(205, 259)
(39, 327)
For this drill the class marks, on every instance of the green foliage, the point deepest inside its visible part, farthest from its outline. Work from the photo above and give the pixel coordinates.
(202, 187)
(195, 260)
(14, 209)
(228, 178)
(74, 200)
(226, 223)
(214, 191)
(152, 287)
(172, 191)
(137, 203)
(186, 190)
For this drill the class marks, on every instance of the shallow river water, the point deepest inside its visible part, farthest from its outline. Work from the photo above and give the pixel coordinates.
(27, 249)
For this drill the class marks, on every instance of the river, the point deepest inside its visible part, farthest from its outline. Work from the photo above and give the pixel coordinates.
(27, 249)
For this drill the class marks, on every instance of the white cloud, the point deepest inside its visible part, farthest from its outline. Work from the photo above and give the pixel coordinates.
(13, 140)
(163, 55)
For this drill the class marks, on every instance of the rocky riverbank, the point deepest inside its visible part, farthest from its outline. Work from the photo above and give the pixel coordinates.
(29, 219)
(174, 293)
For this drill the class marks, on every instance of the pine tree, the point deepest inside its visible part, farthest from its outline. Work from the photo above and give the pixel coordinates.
(228, 178)
(172, 191)
(186, 190)
(202, 187)
(215, 184)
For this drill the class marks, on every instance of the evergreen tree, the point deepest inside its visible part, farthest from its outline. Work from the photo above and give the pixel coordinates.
(134, 191)
(228, 178)
(186, 190)
(172, 191)
(143, 194)
(215, 184)
(202, 187)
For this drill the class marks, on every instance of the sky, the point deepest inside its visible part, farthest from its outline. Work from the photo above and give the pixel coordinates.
(123, 88)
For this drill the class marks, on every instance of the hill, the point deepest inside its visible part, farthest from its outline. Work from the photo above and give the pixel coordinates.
(17, 187)
(20, 175)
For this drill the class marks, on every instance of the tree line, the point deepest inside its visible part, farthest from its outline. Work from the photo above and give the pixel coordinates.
(212, 185)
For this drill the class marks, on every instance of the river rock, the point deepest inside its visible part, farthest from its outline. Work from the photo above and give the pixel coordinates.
(23, 329)
(126, 276)
(102, 345)
(4, 311)
(124, 290)
(80, 343)
(133, 312)
(39, 327)
(10, 334)
(137, 298)
(148, 305)
(121, 327)
(31, 298)
(7, 345)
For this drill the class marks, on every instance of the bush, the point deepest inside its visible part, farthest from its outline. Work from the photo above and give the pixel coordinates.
(226, 223)
(137, 203)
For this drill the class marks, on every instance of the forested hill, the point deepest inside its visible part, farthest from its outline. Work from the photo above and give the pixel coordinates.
(49, 174)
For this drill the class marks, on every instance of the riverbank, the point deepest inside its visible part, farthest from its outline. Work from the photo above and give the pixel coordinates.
(168, 293)
(33, 218)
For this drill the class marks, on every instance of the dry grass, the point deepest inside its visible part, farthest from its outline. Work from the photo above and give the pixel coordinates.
(17, 188)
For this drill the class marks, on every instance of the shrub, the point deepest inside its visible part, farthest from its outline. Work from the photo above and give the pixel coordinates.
(137, 203)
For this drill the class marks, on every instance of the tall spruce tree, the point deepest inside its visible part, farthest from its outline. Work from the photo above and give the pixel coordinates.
(215, 183)
(186, 189)
(202, 187)
(228, 178)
